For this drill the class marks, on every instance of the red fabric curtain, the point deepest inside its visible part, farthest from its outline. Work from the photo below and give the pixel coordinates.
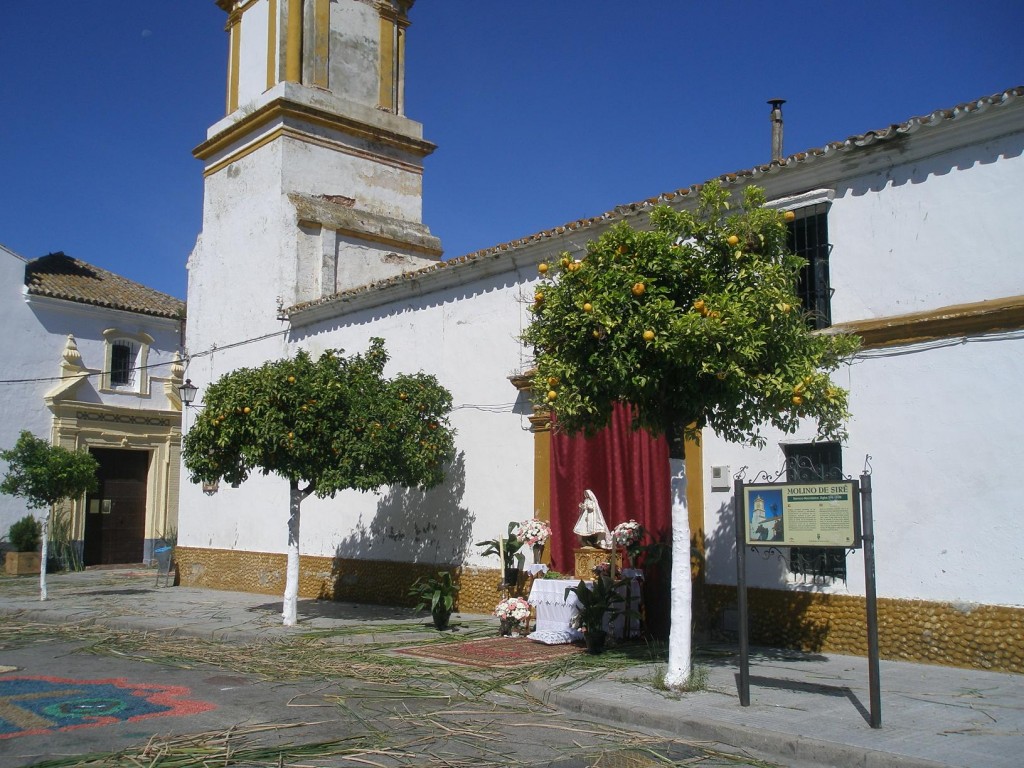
(626, 469)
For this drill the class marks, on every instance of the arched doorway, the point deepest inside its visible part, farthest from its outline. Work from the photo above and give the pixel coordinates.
(115, 519)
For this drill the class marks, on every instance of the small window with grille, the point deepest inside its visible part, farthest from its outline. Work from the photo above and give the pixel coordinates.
(811, 463)
(808, 238)
(122, 364)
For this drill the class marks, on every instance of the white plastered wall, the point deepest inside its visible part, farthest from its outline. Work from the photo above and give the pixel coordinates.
(939, 419)
(468, 338)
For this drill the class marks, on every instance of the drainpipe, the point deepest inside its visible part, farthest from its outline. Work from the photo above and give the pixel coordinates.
(776, 119)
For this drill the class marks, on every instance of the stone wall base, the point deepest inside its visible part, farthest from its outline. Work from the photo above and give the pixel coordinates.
(955, 634)
(380, 582)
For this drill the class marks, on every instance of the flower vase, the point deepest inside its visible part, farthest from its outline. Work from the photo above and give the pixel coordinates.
(509, 628)
(538, 552)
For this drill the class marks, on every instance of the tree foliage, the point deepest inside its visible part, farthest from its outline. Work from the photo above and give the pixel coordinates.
(695, 322)
(329, 424)
(45, 474)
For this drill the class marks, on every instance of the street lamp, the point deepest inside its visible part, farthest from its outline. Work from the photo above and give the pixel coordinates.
(187, 392)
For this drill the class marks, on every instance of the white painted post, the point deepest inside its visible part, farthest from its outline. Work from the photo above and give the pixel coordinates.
(680, 634)
(291, 584)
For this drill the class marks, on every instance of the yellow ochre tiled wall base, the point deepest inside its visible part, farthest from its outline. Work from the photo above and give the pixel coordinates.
(954, 634)
(359, 581)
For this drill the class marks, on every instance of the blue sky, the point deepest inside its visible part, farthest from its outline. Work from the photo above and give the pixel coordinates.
(544, 111)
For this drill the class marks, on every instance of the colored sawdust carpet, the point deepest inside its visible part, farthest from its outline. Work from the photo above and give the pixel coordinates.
(33, 705)
(493, 652)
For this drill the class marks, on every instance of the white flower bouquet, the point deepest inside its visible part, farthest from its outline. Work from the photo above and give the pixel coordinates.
(628, 535)
(532, 532)
(513, 609)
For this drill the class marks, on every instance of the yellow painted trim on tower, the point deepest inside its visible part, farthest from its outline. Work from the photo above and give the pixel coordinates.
(272, 46)
(387, 63)
(400, 74)
(235, 36)
(321, 43)
(293, 49)
(282, 109)
(293, 133)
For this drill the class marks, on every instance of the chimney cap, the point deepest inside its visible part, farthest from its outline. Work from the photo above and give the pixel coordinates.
(776, 103)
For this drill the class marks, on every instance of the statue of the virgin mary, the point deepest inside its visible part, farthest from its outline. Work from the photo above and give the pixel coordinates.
(591, 526)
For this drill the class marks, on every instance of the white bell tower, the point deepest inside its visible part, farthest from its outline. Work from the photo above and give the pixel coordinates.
(313, 179)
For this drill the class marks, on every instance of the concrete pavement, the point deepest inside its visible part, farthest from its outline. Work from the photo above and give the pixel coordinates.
(806, 709)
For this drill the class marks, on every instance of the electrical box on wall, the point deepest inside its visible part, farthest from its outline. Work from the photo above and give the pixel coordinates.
(721, 478)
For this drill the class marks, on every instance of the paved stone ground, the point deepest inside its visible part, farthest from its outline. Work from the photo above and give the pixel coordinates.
(806, 709)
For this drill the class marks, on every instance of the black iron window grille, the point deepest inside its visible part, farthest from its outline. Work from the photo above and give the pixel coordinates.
(810, 463)
(808, 238)
(122, 363)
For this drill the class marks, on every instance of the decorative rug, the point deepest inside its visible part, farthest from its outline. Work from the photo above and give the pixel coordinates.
(34, 705)
(493, 652)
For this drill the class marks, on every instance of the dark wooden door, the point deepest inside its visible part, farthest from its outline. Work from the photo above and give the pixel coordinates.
(115, 516)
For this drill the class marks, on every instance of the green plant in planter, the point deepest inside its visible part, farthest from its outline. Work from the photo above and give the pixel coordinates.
(25, 534)
(507, 548)
(437, 592)
(594, 604)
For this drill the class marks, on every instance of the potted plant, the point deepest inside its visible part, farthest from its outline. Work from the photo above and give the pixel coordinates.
(513, 613)
(507, 549)
(596, 608)
(438, 592)
(24, 536)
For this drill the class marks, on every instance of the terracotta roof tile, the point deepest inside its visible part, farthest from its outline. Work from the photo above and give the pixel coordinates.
(776, 166)
(62, 277)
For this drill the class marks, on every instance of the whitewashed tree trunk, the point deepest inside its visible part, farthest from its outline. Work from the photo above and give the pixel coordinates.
(680, 634)
(43, 557)
(291, 584)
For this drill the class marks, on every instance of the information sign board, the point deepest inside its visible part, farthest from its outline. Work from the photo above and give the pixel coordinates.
(803, 514)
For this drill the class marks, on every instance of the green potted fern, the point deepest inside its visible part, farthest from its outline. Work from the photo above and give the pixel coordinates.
(437, 592)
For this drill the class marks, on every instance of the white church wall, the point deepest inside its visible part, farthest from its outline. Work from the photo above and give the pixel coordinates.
(240, 267)
(944, 451)
(930, 234)
(935, 416)
(467, 337)
(36, 330)
(26, 354)
(353, 61)
(252, 54)
(386, 184)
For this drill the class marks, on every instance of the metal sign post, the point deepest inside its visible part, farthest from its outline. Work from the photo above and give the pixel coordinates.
(868, 537)
(836, 502)
(741, 593)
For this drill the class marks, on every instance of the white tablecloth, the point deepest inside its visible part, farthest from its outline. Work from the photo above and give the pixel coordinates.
(555, 610)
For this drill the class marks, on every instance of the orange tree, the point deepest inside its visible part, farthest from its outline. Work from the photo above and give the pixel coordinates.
(695, 323)
(45, 475)
(324, 425)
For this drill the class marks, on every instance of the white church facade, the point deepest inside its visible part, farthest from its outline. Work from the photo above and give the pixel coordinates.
(93, 363)
(313, 239)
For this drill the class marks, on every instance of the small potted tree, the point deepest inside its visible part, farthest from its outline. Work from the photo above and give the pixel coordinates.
(437, 592)
(45, 475)
(24, 537)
